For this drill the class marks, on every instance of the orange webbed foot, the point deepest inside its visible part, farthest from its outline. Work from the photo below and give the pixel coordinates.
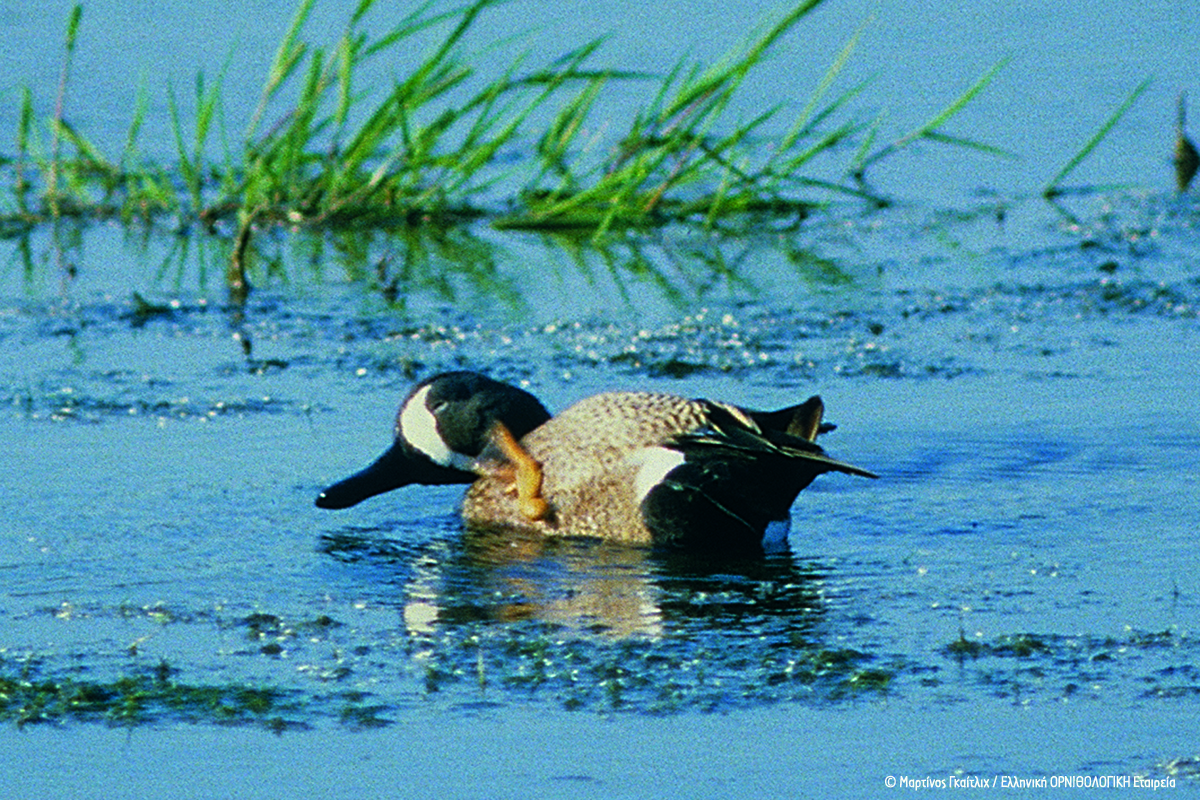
(527, 480)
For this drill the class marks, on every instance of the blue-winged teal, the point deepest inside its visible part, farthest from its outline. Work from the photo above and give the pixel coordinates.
(635, 467)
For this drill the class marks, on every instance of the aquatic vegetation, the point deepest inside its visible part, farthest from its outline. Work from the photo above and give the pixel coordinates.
(139, 699)
(519, 663)
(1074, 664)
(322, 150)
(1054, 187)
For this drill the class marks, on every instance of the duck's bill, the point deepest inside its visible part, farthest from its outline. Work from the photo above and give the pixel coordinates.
(398, 466)
(386, 473)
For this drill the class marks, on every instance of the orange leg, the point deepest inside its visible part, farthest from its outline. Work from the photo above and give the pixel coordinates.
(528, 473)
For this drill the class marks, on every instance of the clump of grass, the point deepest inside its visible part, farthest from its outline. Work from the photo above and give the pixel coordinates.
(320, 150)
(317, 149)
(674, 162)
(679, 163)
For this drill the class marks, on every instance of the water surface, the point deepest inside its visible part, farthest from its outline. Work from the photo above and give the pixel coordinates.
(1017, 594)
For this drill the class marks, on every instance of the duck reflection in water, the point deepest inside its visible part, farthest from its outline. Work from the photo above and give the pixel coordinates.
(637, 468)
(590, 586)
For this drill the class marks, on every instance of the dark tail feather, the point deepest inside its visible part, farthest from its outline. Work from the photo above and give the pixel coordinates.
(768, 444)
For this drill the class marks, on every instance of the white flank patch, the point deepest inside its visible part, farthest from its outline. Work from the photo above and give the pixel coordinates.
(418, 426)
(653, 464)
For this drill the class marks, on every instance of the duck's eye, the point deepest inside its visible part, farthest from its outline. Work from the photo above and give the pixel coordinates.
(438, 407)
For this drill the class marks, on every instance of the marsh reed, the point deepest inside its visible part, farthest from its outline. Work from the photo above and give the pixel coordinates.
(318, 150)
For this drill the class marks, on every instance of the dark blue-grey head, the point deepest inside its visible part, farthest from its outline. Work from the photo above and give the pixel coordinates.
(441, 428)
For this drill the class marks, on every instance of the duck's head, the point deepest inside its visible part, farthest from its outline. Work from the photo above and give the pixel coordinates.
(441, 428)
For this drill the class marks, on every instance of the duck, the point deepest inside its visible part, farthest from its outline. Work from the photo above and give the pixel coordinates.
(441, 429)
(657, 469)
(640, 468)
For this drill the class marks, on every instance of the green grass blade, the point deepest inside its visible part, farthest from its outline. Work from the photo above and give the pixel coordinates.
(186, 169)
(90, 156)
(963, 99)
(1054, 187)
(414, 22)
(971, 144)
(73, 21)
(346, 57)
(73, 26)
(361, 11)
(827, 81)
(939, 119)
(728, 78)
(25, 144)
(140, 105)
(287, 57)
(206, 106)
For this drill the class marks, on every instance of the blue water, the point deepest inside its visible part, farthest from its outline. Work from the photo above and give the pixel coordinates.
(1025, 388)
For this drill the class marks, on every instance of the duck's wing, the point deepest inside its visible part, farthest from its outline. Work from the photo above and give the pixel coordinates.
(727, 438)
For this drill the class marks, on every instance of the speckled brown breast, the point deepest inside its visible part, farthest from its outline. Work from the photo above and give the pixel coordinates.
(589, 461)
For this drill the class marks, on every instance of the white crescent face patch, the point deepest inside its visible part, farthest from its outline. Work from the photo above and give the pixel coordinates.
(418, 427)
